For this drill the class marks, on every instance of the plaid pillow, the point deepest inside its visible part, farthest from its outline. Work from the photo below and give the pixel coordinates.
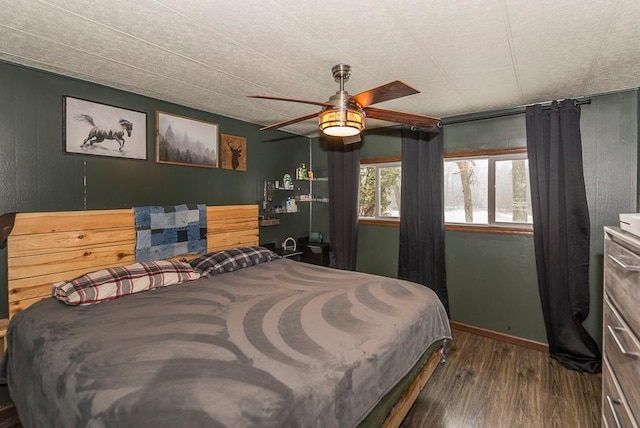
(111, 283)
(230, 260)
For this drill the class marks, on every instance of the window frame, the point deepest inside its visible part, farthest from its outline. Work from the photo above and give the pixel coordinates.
(492, 155)
(391, 161)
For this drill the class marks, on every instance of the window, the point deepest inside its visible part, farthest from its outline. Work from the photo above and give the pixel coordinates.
(380, 187)
(488, 190)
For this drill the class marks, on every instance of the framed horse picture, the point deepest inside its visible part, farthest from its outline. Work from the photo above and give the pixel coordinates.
(96, 129)
(185, 141)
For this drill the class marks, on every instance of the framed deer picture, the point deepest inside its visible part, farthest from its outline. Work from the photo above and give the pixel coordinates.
(184, 141)
(92, 128)
(233, 152)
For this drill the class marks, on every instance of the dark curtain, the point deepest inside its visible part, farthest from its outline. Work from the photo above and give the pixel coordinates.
(344, 182)
(561, 231)
(421, 257)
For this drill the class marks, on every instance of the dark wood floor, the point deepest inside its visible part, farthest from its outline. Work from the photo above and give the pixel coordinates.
(9, 419)
(487, 383)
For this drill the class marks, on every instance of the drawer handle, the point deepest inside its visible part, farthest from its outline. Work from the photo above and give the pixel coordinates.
(612, 402)
(613, 331)
(623, 265)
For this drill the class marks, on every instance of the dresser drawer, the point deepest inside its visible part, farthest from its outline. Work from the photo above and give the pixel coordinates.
(615, 410)
(622, 281)
(622, 350)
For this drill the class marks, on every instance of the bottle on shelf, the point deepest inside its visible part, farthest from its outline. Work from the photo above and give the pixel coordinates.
(301, 172)
(292, 207)
(287, 182)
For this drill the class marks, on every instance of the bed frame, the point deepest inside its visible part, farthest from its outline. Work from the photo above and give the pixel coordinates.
(53, 246)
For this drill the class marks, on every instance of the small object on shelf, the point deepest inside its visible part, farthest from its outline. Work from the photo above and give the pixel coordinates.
(315, 237)
(292, 207)
(301, 172)
(310, 174)
(289, 244)
(287, 182)
(277, 209)
(265, 188)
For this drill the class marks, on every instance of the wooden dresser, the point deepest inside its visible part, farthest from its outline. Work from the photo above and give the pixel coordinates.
(621, 330)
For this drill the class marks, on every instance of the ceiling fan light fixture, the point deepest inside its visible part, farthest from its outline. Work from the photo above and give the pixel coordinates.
(341, 122)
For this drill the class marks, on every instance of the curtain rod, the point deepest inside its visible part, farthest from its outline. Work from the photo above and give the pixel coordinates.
(503, 113)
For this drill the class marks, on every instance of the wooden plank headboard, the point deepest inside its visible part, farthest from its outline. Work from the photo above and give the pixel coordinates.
(54, 246)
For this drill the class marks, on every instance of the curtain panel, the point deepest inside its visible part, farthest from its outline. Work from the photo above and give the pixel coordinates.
(561, 231)
(344, 183)
(421, 254)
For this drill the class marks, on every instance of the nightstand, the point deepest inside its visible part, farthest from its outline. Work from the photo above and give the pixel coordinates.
(289, 254)
(316, 253)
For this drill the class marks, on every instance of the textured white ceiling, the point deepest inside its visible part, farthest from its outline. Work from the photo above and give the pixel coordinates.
(464, 55)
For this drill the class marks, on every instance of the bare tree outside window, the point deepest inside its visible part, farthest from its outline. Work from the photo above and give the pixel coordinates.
(520, 191)
(488, 189)
(471, 183)
(380, 190)
(512, 202)
(467, 179)
(390, 182)
(465, 191)
(367, 205)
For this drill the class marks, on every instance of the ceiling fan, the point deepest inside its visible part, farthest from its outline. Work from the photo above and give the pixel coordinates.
(343, 115)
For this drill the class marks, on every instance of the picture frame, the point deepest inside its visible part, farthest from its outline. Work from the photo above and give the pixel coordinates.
(233, 152)
(185, 141)
(97, 129)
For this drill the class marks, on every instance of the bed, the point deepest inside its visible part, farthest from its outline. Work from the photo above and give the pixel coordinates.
(274, 343)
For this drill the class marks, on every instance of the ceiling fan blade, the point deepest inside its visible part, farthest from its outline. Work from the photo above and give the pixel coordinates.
(416, 120)
(293, 100)
(390, 91)
(289, 122)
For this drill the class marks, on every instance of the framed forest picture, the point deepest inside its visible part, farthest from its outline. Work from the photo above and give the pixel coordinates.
(184, 141)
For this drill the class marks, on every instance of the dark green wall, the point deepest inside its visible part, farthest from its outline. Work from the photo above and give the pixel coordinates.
(492, 278)
(493, 283)
(609, 127)
(35, 174)
(378, 248)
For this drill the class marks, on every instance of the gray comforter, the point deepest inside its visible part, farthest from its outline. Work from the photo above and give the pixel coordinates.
(283, 344)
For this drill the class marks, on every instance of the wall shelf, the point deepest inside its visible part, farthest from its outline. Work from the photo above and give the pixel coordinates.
(269, 222)
(272, 212)
(302, 191)
(325, 200)
(313, 179)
